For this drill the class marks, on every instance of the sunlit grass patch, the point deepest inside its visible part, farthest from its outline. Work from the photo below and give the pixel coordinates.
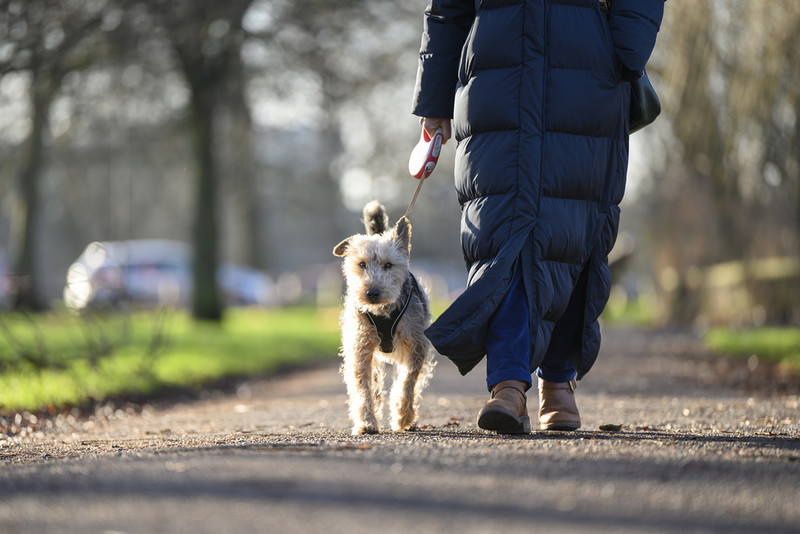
(775, 345)
(621, 310)
(57, 359)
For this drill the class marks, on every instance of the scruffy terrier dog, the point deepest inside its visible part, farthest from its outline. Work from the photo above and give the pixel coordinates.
(385, 315)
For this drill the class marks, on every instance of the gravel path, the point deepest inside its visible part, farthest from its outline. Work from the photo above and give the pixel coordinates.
(707, 445)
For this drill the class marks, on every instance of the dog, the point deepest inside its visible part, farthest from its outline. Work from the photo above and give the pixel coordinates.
(386, 312)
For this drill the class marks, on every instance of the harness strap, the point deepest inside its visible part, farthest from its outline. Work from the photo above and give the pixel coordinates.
(387, 326)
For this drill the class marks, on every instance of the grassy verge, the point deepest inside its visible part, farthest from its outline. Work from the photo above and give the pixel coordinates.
(621, 311)
(774, 345)
(58, 360)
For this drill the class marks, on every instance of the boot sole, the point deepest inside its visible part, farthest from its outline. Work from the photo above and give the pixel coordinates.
(560, 426)
(504, 422)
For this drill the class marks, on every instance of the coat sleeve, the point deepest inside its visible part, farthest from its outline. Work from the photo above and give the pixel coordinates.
(446, 25)
(634, 25)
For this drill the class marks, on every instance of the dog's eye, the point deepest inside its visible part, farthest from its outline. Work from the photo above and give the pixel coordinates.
(387, 266)
(363, 265)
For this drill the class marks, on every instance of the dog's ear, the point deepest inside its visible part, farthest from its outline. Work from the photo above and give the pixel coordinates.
(402, 232)
(341, 248)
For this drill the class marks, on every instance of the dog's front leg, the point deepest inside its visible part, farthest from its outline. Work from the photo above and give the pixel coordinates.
(406, 389)
(358, 374)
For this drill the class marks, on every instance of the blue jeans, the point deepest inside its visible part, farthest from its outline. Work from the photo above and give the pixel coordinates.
(508, 341)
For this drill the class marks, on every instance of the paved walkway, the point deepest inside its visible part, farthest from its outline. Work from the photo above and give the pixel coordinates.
(705, 447)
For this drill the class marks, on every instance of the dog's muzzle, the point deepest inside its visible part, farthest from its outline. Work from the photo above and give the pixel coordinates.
(373, 295)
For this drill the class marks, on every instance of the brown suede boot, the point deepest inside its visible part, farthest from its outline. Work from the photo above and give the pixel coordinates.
(506, 412)
(557, 408)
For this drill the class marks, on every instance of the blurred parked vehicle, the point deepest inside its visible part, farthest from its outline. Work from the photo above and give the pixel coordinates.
(154, 272)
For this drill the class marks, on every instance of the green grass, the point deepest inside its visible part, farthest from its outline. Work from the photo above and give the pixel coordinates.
(775, 345)
(622, 311)
(56, 360)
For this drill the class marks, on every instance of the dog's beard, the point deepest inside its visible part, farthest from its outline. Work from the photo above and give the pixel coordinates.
(388, 296)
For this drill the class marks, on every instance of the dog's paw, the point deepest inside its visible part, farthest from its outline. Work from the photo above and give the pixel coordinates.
(404, 427)
(364, 429)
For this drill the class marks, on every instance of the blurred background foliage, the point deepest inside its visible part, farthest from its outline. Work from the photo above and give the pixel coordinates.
(256, 129)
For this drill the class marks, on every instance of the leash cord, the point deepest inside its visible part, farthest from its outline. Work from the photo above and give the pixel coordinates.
(414, 199)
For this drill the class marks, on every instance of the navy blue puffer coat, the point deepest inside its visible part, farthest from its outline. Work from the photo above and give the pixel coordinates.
(538, 95)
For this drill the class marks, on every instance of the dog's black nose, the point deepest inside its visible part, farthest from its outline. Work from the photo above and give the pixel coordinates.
(373, 294)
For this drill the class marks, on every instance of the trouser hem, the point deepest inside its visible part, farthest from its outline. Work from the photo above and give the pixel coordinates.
(509, 374)
(556, 376)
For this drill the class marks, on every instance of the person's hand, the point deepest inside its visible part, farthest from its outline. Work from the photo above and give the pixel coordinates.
(433, 124)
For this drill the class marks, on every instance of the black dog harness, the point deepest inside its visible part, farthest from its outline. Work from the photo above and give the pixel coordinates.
(387, 326)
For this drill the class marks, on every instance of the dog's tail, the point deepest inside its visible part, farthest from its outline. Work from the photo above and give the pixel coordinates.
(375, 218)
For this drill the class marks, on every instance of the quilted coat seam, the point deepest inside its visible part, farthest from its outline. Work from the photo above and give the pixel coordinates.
(573, 199)
(562, 262)
(583, 69)
(523, 62)
(575, 134)
(502, 67)
(536, 314)
(505, 6)
(473, 132)
(486, 195)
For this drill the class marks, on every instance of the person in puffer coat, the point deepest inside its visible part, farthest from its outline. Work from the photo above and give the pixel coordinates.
(539, 98)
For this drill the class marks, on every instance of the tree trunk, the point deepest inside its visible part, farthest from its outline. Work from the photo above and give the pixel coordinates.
(26, 223)
(797, 161)
(207, 304)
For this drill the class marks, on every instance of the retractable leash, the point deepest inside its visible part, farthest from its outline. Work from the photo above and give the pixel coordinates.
(423, 159)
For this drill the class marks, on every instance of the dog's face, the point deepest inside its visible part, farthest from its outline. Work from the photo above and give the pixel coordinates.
(376, 267)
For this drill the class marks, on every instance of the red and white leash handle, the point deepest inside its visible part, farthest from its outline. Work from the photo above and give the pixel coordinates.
(423, 159)
(425, 155)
